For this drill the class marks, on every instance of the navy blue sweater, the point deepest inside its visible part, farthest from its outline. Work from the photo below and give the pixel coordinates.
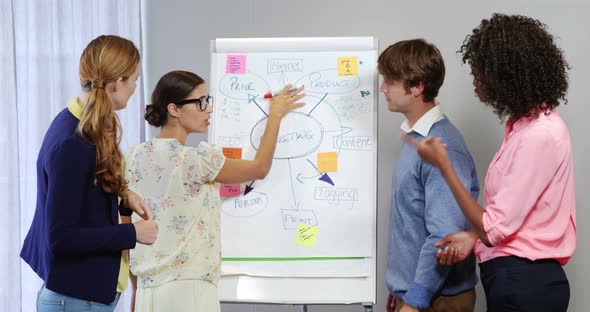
(75, 242)
(423, 212)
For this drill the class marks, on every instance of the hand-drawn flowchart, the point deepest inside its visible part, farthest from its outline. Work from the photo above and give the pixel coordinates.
(319, 197)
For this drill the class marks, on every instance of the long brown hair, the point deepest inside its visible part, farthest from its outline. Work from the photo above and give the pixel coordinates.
(104, 60)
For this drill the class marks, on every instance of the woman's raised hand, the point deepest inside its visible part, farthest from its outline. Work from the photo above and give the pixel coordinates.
(285, 101)
(431, 150)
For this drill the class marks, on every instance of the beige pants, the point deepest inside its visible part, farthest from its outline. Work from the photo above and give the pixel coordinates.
(182, 295)
(462, 302)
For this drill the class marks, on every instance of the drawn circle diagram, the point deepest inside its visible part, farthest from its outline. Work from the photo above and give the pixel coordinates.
(299, 135)
(328, 82)
(240, 87)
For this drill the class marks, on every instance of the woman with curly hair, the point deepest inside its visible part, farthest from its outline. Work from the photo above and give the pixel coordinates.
(526, 231)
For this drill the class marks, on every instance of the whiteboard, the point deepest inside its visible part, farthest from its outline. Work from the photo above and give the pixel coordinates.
(323, 177)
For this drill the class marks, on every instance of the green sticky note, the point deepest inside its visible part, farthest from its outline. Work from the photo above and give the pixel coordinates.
(306, 235)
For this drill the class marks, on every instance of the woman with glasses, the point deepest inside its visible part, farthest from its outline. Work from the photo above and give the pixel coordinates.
(181, 185)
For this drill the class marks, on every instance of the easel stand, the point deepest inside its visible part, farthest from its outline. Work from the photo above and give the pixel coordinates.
(368, 307)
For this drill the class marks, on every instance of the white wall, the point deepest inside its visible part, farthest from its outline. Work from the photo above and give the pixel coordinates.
(177, 35)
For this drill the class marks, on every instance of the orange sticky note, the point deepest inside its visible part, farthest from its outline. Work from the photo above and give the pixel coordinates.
(328, 162)
(229, 190)
(306, 235)
(348, 66)
(232, 152)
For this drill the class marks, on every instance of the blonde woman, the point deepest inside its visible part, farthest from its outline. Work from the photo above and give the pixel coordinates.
(75, 243)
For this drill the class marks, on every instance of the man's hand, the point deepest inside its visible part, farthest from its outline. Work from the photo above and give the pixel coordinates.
(459, 246)
(135, 203)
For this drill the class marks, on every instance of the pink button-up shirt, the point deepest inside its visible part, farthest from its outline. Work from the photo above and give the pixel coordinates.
(530, 194)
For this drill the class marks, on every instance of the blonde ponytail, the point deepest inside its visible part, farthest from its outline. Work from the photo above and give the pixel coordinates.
(105, 59)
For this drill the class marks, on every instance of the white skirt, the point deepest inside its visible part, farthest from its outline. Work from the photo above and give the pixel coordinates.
(181, 295)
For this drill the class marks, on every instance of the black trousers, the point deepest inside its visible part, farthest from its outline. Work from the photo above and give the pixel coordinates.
(517, 284)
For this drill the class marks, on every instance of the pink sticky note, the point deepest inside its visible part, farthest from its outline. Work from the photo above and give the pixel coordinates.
(236, 64)
(230, 190)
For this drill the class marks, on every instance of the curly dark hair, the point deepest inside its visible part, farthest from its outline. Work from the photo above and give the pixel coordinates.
(520, 69)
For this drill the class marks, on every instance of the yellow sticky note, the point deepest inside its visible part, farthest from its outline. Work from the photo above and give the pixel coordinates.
(328, 162)
(348, 66)
(306, 235)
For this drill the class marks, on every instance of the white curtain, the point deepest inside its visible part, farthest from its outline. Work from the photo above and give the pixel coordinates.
(40, 47)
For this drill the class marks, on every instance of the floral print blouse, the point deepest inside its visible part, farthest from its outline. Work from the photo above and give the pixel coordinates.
(176, 182)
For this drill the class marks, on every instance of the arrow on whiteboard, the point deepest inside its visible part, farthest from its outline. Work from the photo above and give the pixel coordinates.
(249, 188)
(251, 97)
(317, 104)
(342, 130)
(324, 176)
(295, 202)
(284, 78)
(300, 177)
(262, 110)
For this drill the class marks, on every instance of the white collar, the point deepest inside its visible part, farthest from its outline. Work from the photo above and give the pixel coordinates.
(423, 125)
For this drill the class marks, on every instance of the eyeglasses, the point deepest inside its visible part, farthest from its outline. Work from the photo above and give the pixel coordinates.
(204, 102)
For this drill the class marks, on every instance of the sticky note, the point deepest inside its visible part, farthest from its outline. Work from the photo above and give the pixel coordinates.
(232, 152)
(328, 162)
(235, 64)
(306, 235)
(348, 66)
(229, 190)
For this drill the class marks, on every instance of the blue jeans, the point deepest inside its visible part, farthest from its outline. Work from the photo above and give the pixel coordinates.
(50, 301)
